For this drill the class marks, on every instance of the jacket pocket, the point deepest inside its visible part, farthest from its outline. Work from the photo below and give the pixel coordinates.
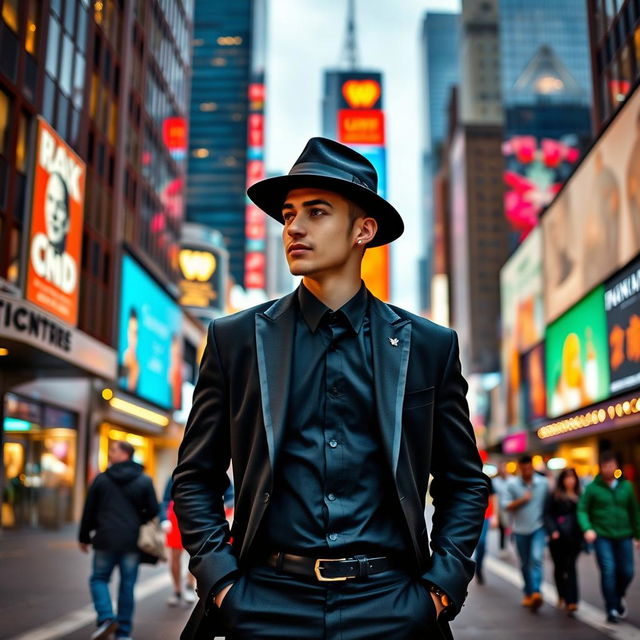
(419, 398)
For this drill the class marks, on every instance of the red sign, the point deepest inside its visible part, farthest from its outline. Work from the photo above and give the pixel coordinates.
(254, 270)
(361, 126)
(55, 238)
(361, 94)
(255, 171)
(256, 223)
(256, 130)
(174, 134)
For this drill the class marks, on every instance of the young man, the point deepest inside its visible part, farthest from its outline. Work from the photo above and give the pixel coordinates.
(118, 502)
(525, 498)
(609, 515)
(334, 408)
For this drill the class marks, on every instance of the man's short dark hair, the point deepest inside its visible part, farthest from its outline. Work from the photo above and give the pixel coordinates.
(525, 459)
(608, 456)
(126, 447)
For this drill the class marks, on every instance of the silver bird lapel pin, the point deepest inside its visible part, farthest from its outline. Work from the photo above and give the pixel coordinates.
(394, 342)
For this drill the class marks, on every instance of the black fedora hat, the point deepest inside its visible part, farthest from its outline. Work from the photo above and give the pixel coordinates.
(327, 164)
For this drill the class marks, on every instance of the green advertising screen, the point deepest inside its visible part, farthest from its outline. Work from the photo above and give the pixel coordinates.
(577, 356)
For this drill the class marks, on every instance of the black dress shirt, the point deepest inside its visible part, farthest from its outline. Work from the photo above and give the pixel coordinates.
(333, 490)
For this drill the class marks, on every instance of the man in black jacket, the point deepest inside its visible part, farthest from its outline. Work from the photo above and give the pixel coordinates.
(334, 409)
(118, 502)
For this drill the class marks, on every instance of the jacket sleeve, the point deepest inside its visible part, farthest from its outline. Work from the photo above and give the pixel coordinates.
(150, 507)
(584, 504)
(200, 477)
(549, 521)
(459, 489)
(88, 522)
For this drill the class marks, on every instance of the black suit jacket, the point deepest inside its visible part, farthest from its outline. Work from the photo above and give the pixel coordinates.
(238, 415)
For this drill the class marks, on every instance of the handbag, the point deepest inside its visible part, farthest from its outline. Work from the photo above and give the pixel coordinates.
(151, 540)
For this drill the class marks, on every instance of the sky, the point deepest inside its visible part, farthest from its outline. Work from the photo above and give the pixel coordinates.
(304, 38)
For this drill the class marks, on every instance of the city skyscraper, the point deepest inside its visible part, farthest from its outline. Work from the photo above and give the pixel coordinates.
(546, 92)
(217, 170)
(439, 52)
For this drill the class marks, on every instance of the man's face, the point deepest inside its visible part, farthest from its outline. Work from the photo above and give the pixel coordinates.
(318, 234)
(116, 454)
(526, 470)
(55, 210)
(608, 469)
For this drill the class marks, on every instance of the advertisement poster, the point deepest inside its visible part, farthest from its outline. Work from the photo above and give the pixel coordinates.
(55, 236)
(521, 293)
(202, 283)
(577, 356)
(622, 306)
(534, 390)
(150, 339)
(593, 228)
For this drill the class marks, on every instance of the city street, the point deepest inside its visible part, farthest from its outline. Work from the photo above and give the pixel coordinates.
(43, 596)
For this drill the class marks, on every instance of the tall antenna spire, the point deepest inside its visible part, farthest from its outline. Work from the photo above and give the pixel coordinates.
(350, 48)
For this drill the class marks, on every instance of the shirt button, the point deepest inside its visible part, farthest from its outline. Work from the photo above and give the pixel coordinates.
(333, 537)
(331, 496)
(333, 443)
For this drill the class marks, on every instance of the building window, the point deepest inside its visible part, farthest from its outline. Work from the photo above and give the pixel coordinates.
(5, 116)
(10, 13)
(33, 17)
(53, 46)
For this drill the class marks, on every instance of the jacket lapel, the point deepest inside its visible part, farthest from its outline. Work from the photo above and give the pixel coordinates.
(391, 344)
(274, 346)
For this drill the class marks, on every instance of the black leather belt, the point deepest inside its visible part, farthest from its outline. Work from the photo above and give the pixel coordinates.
(330, 569)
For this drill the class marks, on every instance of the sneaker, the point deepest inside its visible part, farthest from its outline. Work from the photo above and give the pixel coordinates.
(572, 607)
(526, 601)
(613, 617)
(104, 630)
(174, 600)
(536, 601)
(189, 595)
(622, 609)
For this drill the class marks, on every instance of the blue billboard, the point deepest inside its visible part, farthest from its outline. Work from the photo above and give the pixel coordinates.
(149, 338)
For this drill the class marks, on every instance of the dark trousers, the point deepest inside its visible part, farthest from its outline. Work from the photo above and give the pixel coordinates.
(265, 604)
(615, 559)
(564, 554)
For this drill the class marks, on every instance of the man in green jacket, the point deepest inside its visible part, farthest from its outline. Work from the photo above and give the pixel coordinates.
(609, 515)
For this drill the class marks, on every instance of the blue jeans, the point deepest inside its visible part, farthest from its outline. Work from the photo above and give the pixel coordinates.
(615, 559)
(104, 562)
(482, 546)
(530, 548)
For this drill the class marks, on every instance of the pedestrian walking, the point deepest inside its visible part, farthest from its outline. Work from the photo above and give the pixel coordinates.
(169, 523)
(565, 537)
(489, 521)
(499, 482)
(335, 408)
(609, 515)
(525, 499)
(118, 502)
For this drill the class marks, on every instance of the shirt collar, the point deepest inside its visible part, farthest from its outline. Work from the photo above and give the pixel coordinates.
(313, 310)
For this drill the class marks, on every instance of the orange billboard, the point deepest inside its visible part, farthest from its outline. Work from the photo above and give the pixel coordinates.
(361, 126)
(55, 237)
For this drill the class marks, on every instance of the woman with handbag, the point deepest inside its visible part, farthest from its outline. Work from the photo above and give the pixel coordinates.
(565, 537)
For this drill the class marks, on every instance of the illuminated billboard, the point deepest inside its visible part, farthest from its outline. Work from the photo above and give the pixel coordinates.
(55, 235)
(577, 356)
(593, 227)
(522, 315)
(202, 282)
(149, 338)
(353, 115)
(622, 306)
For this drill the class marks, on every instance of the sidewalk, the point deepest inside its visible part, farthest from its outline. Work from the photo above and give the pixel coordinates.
(44, 595)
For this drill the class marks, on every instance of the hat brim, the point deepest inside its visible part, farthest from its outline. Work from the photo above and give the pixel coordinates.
(270, 194)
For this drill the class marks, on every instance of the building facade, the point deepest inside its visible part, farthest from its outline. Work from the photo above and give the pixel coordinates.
(439, 53)
(93, 121)
(614, 34)
(218, 135)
